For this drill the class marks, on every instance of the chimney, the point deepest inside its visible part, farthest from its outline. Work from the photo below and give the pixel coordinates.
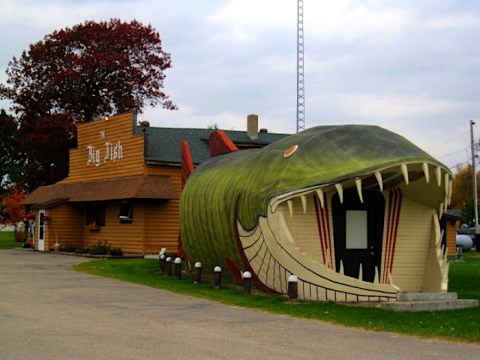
(252, 126)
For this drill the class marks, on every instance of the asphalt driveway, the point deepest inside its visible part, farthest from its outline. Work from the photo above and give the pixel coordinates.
(49, 312)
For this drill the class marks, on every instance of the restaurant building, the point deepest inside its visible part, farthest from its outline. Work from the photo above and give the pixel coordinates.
(124, 185)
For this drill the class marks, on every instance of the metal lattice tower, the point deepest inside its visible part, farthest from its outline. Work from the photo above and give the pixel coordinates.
(300, 69)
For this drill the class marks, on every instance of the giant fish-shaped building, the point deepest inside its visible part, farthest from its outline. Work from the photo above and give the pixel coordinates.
(353, 211)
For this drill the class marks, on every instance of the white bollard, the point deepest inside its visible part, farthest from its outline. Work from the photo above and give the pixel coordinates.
(198, 273)
(247, 282)
(178, 268)
(217, 277)
(292, 288)
(168, 263)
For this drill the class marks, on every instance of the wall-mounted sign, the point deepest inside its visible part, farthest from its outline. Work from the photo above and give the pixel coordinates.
(111, 151)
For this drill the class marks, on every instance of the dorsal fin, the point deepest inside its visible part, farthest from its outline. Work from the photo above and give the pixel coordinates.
(186, 171)
(220, 143)
(187, 163)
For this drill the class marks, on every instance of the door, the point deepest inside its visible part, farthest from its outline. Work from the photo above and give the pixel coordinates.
(358, 233)
(41, 230)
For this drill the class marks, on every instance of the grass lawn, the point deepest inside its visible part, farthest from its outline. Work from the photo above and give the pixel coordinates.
(7, 240)
(458, 325)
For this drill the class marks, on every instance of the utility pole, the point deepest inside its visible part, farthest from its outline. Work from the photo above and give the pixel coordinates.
(474, 158)
(300, 69)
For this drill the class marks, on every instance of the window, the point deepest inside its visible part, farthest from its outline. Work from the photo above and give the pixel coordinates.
(126, 212)
(96, 214)
(356, 229)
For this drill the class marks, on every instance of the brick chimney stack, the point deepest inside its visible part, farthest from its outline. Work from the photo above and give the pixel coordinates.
(252, 126)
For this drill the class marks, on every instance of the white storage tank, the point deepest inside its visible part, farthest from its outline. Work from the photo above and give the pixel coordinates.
(465, 242)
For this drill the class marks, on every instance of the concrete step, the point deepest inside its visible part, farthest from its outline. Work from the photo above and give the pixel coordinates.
(426, 296)
(429, 305)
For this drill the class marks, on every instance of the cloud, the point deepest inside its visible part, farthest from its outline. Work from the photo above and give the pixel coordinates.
(388, 106)
(353, 21)
(411, 67)
(244, 20)
(455, 21)
(349, 21)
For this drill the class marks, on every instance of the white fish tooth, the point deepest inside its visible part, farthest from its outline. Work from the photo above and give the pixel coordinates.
(446, 182)
(377, 276)
(450, 189)
(405, 172)
(340, 192)
(438, 175)
(341, 267)
(436, 229)
(320, 196)
(426, 173)
(290, 207)
(390, 278)
(360, 272)
(358, 182)
(304, 203)
(378, 175)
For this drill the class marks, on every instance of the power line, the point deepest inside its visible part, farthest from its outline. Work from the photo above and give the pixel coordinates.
(448, 141)
(453, 153)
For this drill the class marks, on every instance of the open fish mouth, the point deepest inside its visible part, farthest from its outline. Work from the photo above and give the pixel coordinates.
(340, 238)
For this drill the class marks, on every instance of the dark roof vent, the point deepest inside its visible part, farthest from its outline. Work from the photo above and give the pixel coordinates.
(144, 123)
(263, 130)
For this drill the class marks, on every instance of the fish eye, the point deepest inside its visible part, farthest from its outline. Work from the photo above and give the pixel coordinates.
(290, 151)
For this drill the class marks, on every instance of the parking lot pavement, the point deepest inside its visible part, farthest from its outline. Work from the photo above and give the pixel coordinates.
(48, 311)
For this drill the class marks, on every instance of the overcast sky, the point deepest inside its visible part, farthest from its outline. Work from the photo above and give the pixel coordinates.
(412, 67)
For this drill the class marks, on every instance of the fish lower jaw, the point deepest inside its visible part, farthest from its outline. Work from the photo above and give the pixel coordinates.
(296, 237)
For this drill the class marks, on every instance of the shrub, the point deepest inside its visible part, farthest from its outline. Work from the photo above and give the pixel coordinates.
(115, 251)
(100, 248)
(70, 248)
(82, 250)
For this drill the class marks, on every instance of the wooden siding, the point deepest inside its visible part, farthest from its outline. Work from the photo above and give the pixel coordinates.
(117, 128)
(304, 227)
(127, 236)
(161, 226)
(154, 225)
(173, 171)
(64, 226)
(451, 232)
(413, 241)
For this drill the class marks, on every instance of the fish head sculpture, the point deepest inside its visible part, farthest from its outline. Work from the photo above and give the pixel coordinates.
(341, 207)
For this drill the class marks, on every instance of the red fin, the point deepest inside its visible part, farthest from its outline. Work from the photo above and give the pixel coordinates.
(186, 171)
(187, 163)
(233, 270)
(220, 144)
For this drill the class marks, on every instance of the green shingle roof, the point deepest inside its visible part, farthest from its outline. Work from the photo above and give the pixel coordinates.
(164, 144)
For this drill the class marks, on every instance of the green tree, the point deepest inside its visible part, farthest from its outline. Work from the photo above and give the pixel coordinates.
(12, 156)
(462, 193)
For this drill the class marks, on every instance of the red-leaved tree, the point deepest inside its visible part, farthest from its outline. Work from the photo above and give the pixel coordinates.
(90, 70)
(12, 212)
(79, 74)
